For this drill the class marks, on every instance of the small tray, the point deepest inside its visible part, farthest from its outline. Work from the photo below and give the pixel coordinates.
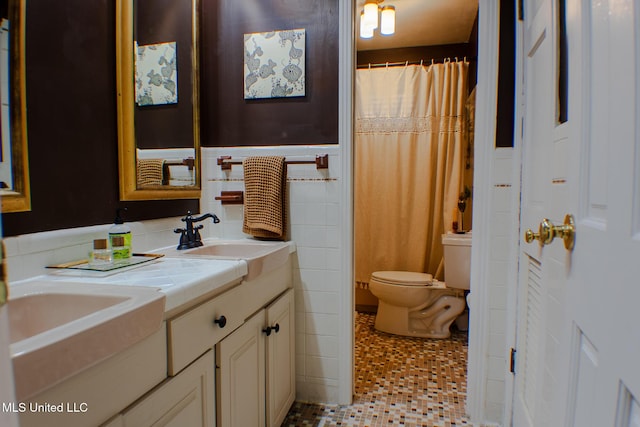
(83, 264)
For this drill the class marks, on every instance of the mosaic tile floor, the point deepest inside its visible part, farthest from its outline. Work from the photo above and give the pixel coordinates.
(399, 381)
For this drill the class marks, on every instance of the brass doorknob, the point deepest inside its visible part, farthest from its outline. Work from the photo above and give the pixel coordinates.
(544, 236)
(530, 236)
(547, 232)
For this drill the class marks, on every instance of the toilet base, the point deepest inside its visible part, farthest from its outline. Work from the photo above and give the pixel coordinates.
(431, 320)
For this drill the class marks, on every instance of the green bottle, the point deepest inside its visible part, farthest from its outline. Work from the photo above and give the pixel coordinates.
(121, 248)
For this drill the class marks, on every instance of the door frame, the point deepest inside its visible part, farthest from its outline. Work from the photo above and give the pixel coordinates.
(484, 159)
(486, 96)
(346, 88)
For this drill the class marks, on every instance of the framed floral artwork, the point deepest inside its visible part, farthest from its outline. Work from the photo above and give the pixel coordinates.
(274, 64)
(156, 74)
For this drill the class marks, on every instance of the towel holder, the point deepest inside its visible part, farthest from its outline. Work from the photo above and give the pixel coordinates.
(321, 161)
(231, 197)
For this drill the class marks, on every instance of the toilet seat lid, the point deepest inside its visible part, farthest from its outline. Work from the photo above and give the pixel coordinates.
(409, 278)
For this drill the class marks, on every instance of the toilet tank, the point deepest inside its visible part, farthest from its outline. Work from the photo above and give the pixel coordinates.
(457, 260)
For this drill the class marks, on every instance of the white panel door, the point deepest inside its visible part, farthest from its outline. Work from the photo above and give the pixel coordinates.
(578, 343)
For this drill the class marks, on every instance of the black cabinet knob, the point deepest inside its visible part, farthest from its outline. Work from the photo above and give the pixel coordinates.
(221, 321)
(268, 329)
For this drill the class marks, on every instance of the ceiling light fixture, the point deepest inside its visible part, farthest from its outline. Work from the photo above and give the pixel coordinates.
(366, 32)
(371, 14)
(369, 19)
(388, 20)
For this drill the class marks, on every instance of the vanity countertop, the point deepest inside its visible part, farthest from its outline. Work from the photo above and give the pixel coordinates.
(180, 279)
(184, 278)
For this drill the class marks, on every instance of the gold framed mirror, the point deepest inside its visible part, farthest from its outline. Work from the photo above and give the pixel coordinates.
(15, 191)
(153, 165)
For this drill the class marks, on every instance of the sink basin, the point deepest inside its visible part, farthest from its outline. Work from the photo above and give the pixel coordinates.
(33, 314)
(59, 329)
(238, 250)
(260, 256)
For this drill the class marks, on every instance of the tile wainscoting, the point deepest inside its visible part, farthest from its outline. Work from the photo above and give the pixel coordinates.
(314, 224)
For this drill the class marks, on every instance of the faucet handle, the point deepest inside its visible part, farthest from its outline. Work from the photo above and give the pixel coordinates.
(188, 219)
(184, 240)
(197, 239)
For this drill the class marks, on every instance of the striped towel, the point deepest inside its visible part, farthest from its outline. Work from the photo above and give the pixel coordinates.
(265, 181)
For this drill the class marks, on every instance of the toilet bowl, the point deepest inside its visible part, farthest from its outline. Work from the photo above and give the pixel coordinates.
(413, 304)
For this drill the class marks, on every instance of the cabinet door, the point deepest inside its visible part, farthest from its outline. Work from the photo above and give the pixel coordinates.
(184, 400)
(281, 370)
(241, 375)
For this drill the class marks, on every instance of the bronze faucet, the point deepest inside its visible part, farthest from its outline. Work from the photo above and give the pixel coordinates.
(190, 235)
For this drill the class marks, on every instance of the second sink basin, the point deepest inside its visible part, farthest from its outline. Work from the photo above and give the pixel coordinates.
(58, 329)
(228, 249)
(260, 256)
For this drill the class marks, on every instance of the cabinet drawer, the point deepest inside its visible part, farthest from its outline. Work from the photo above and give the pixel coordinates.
(195, 331)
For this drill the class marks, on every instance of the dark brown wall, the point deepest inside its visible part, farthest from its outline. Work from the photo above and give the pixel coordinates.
(506, 75)
(71, 102)
(72, 120)
(227, 118)
(170, 125)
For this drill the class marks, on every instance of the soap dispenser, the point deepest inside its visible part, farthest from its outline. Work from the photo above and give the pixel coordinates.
(120, 230)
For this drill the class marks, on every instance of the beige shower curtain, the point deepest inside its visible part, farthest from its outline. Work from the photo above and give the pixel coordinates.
(409, 143)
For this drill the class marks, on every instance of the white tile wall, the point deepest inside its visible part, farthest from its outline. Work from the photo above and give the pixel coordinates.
(315, 226)
(29, 254)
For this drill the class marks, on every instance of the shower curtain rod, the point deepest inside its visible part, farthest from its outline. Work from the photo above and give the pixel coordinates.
(420, 62)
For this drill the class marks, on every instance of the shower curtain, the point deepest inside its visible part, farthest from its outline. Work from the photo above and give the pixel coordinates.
(409, 163)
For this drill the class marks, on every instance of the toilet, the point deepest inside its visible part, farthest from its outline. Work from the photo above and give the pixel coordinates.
(414, 304)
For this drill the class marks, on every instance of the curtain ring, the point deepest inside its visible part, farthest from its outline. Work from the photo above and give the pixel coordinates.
(387, 65)
(421, 62)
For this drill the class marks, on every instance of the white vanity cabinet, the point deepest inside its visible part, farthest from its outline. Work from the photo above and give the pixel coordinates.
(255, 368)
(280, 350)
(240, 378)
(223, 369)
(185, 400)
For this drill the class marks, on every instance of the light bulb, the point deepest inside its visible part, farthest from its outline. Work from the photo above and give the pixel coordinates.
(365, 31)
(388, 20)
(371, 14)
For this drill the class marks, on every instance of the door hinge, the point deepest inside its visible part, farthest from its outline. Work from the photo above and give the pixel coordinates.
(512, 361)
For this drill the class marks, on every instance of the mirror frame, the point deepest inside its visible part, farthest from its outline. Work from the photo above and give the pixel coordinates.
(18, 200)
(126, 111)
